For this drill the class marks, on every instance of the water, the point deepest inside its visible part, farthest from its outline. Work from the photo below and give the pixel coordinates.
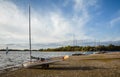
(14, 58)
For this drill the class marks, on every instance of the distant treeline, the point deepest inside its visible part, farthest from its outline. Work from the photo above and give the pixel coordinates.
(85, 48)
(75, 48)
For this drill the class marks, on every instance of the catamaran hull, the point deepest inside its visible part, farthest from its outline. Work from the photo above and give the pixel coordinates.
(44, 64)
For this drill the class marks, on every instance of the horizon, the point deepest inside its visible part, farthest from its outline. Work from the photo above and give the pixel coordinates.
(56, 21)
(60, 44)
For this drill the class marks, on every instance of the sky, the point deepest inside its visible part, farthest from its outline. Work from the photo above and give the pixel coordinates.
(59, 20)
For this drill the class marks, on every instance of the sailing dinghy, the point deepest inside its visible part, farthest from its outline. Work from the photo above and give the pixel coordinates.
(40, 61)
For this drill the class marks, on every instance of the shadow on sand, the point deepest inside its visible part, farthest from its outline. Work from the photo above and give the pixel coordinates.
(72, 68)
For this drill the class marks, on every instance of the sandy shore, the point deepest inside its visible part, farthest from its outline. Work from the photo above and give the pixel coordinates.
(95, 65)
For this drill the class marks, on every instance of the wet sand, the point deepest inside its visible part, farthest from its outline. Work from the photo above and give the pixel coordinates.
(95, 65)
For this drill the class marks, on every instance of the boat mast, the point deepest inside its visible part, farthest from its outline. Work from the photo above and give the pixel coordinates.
(30, 32)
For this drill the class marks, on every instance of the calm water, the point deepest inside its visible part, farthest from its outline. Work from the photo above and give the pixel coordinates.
(14, 58)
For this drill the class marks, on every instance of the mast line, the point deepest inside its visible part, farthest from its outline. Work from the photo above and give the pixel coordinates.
(30, 32)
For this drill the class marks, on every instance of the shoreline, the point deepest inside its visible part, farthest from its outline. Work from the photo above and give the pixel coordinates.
(102, 65)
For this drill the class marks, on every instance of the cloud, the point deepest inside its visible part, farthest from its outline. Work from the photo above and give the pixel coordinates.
(14, 25)
(115, 21)
(83, 5)
(114, 24)
(53, 26)
(12, 22)
(82, 16)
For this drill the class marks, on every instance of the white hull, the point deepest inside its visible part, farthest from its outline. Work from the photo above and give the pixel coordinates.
(38, 63)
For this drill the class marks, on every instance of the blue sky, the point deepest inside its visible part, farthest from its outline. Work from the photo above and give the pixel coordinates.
(59, 20)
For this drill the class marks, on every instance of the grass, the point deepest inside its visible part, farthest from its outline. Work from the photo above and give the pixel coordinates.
(103, 65)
